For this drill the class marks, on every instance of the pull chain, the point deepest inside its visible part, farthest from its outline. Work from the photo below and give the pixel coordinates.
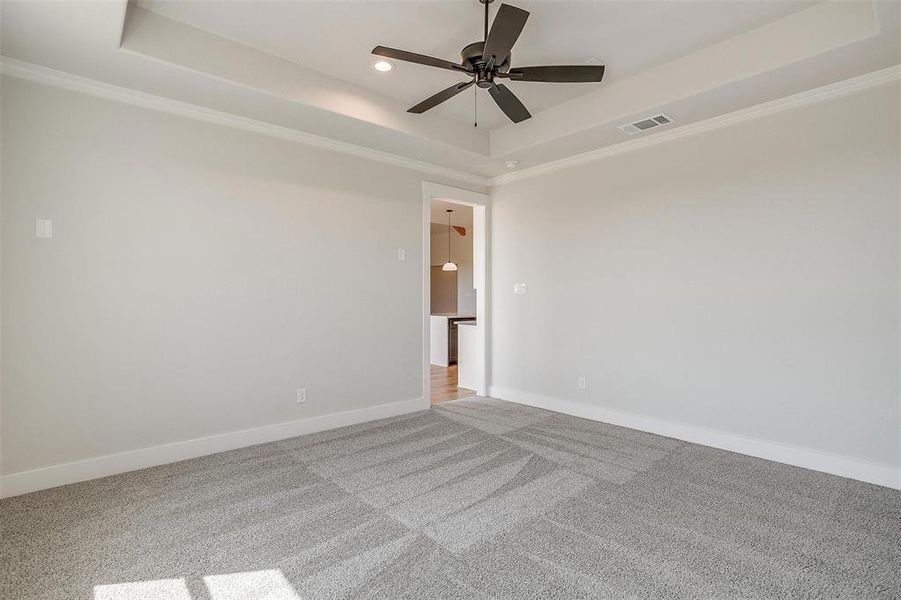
(475, 90)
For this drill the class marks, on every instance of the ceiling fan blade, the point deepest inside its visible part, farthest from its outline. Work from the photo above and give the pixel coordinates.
(568, 74)
(433, 101)
(509, 103)
(421, 59)
(505, 30)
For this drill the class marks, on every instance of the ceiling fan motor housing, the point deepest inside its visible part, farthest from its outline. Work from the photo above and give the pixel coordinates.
(471, 57)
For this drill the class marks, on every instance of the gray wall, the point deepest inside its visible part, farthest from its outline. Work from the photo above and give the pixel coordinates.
(745, 280)
(197, 277)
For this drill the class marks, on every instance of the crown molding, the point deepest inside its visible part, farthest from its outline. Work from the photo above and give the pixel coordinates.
(820, 94)
(47, 76)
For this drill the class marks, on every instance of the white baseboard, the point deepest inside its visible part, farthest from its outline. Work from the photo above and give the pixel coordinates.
(833, 464)
(113, 464)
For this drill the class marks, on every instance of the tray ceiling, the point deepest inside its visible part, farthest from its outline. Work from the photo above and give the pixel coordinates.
(301, 70)
(336, 38)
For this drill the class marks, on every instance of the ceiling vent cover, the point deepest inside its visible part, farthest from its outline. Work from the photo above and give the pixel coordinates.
(646, 123)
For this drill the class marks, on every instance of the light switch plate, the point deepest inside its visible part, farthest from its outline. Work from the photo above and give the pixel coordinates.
(519, 288)
(43, 228)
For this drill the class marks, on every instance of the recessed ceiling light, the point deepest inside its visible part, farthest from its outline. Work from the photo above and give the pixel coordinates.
(382, 65)
(512, 164)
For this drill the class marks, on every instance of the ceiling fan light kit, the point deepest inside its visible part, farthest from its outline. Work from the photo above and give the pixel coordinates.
(489, 60)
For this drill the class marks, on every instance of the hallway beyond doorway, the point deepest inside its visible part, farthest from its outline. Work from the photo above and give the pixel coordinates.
(444, 385)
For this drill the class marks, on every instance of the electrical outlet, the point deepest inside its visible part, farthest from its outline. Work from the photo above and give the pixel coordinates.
(43, 228)
(519, 288)
(583, 383)
(401, 254)
(301, 395)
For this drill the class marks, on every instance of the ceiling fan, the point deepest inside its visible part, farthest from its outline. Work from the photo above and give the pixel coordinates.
(489, 60)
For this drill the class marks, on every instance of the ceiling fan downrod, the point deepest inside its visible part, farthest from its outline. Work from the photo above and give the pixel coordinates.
(486, 3)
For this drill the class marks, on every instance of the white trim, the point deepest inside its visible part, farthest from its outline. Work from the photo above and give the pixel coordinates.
(426, 296)
(820, 94)
(113, 464)
(446, 192)
(825, 462)
(107, 91)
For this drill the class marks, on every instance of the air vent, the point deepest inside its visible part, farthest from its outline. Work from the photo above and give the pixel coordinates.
(646, 123)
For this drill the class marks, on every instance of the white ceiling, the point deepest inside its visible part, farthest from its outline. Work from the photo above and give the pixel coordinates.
(336, 38)
(304, 67)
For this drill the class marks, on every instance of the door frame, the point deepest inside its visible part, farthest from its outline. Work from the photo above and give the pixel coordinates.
(480, 236)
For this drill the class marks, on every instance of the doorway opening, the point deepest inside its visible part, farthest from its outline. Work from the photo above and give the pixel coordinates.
(454, 326)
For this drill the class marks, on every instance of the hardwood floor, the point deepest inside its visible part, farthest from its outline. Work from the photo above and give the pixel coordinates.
(444, 385)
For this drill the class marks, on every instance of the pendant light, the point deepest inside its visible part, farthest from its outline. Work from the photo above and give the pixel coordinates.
(449, 266)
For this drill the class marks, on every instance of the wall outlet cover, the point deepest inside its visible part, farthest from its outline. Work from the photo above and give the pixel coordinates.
(301, 395)
(43, 228)
(583, 383)
(519, 288)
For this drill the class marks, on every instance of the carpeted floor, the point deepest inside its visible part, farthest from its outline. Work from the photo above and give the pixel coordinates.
(477, 498)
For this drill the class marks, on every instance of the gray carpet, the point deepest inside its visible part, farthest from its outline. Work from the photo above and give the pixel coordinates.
(477, 498)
